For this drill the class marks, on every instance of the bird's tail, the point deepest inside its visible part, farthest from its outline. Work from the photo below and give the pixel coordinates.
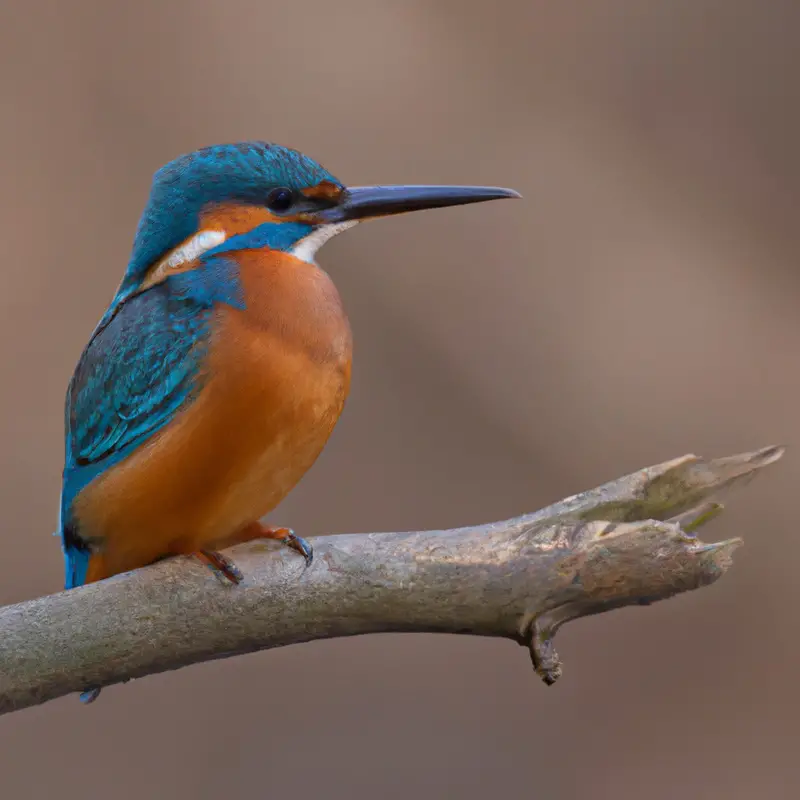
(76, 566)
(76, 562)
(76, 552)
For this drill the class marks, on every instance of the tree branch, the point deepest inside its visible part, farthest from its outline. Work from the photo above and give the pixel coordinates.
(628, 542)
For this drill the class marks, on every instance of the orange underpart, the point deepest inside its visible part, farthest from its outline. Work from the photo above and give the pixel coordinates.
(97, 569)
(221, 461)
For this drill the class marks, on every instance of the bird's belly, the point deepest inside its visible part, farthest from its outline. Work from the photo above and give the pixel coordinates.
(283, 424)
(259, 423)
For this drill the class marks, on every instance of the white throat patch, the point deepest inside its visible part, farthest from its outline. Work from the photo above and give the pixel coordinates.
(307, 248)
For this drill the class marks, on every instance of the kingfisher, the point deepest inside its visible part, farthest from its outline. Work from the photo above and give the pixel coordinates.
(215, 377)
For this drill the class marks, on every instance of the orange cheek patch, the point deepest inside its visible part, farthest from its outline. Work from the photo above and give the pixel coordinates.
(217, 223)
(234, 218)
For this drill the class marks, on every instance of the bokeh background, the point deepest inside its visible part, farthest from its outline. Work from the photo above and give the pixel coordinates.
(641, 303)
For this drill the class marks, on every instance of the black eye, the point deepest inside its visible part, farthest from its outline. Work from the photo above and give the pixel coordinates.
(280, 199)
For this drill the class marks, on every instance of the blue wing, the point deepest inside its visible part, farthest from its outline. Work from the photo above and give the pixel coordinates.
(141, 365)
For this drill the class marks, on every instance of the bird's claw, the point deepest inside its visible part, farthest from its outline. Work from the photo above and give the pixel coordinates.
(300, 544)
(221, 565)
(288, 537)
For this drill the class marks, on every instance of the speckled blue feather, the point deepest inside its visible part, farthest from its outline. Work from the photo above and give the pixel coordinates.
(144, 361)
(139, 370)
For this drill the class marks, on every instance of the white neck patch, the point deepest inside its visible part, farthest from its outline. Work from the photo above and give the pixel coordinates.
(185, 253)
(307, 248)
(193, 247)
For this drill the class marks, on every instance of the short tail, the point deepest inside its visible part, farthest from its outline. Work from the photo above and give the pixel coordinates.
(76, 552)
(90, 695)
(76, 562)
(77, 565)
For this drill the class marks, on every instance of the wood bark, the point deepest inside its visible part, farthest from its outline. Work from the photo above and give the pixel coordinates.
(630, 541)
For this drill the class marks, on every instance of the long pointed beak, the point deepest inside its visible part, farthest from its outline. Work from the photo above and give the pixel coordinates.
(361, 202)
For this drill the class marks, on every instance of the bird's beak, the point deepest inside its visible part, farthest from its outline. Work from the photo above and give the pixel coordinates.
(361, 202)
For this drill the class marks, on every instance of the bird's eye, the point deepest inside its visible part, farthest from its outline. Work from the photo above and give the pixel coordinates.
(280, 199)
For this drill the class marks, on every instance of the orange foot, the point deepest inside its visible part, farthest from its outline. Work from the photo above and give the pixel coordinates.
(227, 570)
(221, 565)
(287, 536)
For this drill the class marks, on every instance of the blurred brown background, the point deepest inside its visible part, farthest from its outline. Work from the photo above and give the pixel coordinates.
(642, 302)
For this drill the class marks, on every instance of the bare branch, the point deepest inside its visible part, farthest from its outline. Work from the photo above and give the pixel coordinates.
(628, 542)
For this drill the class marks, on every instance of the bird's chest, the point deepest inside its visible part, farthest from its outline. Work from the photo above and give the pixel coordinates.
(279, 372)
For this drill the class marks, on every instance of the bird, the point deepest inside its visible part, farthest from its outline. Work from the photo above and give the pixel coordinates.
(216, 375)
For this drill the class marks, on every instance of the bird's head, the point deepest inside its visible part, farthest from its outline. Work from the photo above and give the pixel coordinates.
(259, 195)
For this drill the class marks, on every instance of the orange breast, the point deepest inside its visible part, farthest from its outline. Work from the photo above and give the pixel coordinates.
(278, 374)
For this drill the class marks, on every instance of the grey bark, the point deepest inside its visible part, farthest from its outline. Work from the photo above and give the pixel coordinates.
(630, 541)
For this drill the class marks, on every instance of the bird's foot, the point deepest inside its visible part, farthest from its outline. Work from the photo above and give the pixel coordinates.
(222, 566)
(288, 537)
